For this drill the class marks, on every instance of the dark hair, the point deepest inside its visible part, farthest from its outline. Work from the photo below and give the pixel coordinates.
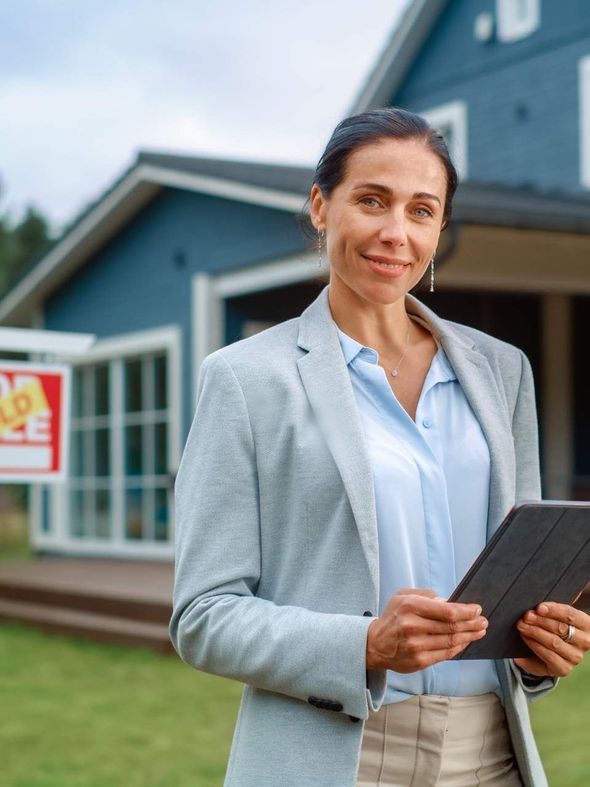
(385, 123)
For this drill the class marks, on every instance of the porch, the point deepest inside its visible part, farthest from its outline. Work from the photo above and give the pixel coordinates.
(125, 602)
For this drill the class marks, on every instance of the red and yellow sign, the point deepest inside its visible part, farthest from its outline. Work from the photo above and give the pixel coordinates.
(34, 424)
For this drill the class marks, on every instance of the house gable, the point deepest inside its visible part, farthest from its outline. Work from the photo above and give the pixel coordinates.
(142, 278)
(522, 97)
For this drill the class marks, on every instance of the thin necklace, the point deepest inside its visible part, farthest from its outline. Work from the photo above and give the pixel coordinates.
(395, 371)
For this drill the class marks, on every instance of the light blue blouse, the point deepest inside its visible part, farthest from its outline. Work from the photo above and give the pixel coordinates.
(431, 480)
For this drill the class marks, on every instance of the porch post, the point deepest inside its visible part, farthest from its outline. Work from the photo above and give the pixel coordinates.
(557, 396)
(207, 324)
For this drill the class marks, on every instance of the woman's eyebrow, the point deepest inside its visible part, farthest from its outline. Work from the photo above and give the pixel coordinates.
(387, 190)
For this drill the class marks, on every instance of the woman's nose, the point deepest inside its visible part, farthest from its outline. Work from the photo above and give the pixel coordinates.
(393, 229)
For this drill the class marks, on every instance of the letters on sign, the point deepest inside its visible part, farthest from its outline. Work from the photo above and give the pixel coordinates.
(33, 413)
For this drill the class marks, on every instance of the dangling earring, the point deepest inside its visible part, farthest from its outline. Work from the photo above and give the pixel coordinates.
(321, 236)
(432, 274)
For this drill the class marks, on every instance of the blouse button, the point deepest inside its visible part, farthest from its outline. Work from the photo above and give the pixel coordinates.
(426, 423)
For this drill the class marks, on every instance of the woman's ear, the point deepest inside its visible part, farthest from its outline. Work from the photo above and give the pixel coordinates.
(317, 207)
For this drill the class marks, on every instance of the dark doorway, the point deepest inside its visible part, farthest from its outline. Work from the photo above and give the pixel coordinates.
(268, 307)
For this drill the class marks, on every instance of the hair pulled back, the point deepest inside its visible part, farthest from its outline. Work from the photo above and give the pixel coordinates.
(357, 131)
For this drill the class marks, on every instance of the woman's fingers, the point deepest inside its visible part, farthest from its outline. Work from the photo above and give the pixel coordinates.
(552, 641)
(545, 630)
(558, 628)
(417, 630)
(415, 624)
(413, 661)
(558, 664)
(448, 642)
(436, 608)
(564, 613)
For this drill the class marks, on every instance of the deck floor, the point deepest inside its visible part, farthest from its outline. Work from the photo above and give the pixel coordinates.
(128, 579)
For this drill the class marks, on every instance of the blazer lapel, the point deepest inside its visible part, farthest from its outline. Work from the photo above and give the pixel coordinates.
(327, 384)
(481, 391)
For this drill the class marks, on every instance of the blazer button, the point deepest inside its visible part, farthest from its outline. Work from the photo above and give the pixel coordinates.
(324, 704)
(367, 613)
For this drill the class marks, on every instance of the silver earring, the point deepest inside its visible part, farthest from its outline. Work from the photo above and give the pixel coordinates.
(321, 236)
(432, 274)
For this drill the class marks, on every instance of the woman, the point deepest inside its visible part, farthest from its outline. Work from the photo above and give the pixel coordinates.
(342, 471)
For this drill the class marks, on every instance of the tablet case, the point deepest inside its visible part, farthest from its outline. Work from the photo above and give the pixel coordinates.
(541, 552)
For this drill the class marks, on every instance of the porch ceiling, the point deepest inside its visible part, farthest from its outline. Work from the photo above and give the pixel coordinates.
(527, 260)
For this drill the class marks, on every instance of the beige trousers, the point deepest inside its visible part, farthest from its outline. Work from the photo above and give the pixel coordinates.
(443, 741)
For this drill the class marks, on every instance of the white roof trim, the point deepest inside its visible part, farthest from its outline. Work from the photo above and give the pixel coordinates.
(220, 187)
(80, 241)
(112, 211)
(398, 55)
(32, 341)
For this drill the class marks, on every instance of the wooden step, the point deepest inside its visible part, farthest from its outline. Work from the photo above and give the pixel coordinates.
(42, 594)
(87, 625)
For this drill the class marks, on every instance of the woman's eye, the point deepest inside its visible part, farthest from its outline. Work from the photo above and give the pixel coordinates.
(426, 211)
(372, 202)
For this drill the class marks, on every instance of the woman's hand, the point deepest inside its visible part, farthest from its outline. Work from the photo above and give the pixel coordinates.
(544, 630)
(418, 629)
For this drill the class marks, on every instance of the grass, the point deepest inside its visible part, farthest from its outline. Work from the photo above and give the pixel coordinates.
(14, 539)
(80, 714)
(561, 722)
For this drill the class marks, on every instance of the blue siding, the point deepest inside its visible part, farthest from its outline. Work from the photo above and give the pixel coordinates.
(142, 279)
(522, 98)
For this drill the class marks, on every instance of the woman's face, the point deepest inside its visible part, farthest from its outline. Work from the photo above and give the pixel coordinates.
(388, 209)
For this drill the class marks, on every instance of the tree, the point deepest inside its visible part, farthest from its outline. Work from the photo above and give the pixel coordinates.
(21, 244)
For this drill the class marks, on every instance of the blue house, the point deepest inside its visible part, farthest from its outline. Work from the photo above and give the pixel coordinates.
(185, 254)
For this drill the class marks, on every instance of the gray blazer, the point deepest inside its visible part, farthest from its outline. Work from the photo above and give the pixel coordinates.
(277, 561)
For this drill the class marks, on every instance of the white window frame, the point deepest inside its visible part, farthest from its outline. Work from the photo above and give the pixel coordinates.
(167, 339)
(584, 93)
(210, 292)
(510, 26)
(453, 114)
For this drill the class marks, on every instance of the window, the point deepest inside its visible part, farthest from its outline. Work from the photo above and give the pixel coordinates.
(119, 443)
(584, 79)
(451, 121)
(517, 19)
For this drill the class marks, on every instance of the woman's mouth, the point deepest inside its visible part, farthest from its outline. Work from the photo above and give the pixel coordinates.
(386, 267)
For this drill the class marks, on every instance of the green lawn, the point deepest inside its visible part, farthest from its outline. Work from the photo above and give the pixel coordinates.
(561, 721)
(77, 714)
(14, 540)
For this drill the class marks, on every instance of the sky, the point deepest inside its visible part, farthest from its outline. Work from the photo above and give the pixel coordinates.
(84, 86)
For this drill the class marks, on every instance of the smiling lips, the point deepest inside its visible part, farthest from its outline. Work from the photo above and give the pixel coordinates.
(387, 266)
(387, 260)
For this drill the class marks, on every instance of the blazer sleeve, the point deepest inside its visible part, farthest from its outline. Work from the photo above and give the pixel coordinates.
(525, 431)
(218, 622)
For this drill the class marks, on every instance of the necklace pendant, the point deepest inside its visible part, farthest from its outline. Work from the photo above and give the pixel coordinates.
(394, 372)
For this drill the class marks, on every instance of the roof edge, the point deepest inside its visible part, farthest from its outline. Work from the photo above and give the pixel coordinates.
(398, 54)
(125, 198)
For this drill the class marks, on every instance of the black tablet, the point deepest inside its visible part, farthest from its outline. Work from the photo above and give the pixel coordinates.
(541, 552)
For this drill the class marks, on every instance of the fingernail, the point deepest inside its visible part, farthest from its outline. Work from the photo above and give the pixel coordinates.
(542, 609)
